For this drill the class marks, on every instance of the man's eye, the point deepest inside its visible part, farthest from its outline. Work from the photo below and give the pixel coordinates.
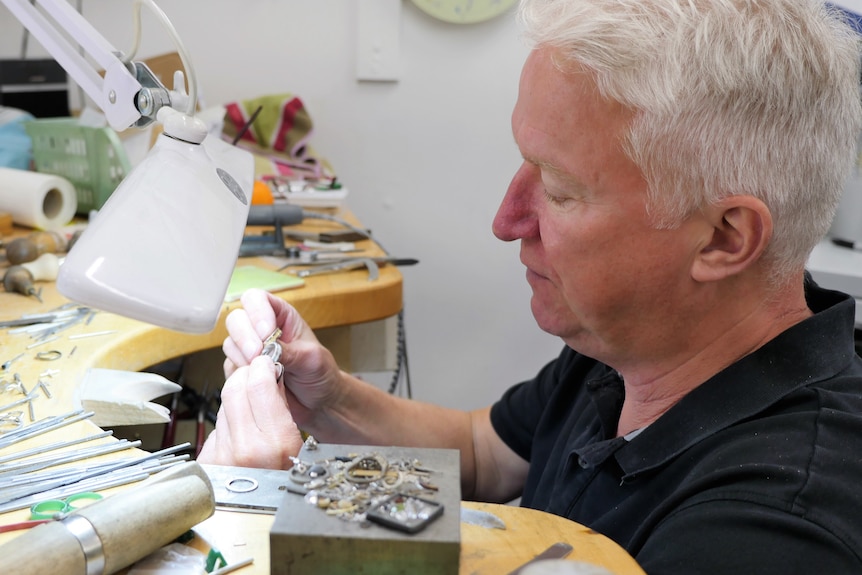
(556, 200)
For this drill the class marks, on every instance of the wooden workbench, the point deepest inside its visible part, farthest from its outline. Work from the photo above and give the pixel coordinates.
(326, 301)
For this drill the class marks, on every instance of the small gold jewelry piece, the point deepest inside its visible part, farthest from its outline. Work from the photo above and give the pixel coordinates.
(366, 468)
(350, 486)
(272, 350)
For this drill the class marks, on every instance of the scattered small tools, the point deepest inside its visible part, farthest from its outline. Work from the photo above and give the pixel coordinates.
(44, 268)
(351, 263)
(21, 278)
(277, 216)
(63, 316)
(28, 248)
(9, 362)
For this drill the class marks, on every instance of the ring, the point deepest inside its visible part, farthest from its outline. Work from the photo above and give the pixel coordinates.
(49, 355)
(50, 508)
(252, 485)
(47, 509)
(88, 495)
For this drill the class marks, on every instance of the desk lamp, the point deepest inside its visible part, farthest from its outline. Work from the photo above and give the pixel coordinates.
(164, 245)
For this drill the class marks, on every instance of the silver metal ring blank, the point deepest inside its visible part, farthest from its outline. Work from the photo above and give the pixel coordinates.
(230, 485)
(91, 545)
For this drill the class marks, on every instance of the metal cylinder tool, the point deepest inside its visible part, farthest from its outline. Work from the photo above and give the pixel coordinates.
(111, 534)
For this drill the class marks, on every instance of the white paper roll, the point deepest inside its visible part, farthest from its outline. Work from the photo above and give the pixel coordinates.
(41, 201)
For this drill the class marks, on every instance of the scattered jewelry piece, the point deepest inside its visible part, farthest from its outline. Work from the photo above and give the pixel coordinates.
(241, 484)
(45, 389)
(10, 421)
(9, 362)
(350, 487)
(310, 443)
(272, 350)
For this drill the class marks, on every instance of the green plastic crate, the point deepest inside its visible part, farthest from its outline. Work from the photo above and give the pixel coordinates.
(92, 159)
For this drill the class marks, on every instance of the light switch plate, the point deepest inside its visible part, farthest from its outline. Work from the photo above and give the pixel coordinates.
(378, 50)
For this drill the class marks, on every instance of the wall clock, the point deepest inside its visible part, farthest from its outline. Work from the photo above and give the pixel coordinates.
(464, 11)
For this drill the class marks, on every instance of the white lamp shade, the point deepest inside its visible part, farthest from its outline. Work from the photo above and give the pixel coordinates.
(164, 245)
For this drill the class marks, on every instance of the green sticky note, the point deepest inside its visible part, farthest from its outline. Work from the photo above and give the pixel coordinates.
(247, 277)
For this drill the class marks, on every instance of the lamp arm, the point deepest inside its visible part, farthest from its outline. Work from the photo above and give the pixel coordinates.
(191, 98)
(128, 94)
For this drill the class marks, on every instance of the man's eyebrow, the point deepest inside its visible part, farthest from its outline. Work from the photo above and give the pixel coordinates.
(545, 165)
(552, 169)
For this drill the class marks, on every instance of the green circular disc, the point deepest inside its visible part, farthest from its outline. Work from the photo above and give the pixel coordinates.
(464, 11)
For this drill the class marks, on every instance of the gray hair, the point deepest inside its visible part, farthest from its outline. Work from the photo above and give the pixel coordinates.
(730, 97)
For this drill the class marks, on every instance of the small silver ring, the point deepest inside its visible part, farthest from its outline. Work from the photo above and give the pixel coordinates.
(229, 485)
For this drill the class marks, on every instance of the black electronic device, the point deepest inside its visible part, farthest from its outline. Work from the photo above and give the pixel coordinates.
(39, 87)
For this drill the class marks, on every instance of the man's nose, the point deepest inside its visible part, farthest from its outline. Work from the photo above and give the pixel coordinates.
(515, 217)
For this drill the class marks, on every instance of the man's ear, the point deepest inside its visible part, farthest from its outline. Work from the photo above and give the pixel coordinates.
(740, 230)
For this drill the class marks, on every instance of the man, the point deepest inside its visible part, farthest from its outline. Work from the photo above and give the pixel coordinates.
(681, 160)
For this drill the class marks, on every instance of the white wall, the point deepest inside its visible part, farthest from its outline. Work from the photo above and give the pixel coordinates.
(426, 158)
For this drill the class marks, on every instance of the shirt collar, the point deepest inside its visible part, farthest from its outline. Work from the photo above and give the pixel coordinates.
(823, 342)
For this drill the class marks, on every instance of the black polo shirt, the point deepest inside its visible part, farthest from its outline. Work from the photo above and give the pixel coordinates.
(758, 470)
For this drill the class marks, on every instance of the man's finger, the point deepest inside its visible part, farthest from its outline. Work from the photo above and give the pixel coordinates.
(245, 338)
(233, 356)
(260, 312)
(266, 397)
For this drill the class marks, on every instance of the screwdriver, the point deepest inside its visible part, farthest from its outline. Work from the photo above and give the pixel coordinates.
(27, 249)
(20, 278)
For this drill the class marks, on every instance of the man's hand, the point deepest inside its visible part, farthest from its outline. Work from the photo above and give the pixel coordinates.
(257, 422)
(254, 427)
(311, 376)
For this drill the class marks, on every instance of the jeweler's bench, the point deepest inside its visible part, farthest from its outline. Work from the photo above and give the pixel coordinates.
(326, 301)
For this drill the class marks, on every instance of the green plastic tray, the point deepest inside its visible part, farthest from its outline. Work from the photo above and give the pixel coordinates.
(92, 159)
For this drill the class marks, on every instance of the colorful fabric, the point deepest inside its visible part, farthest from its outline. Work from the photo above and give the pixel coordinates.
(280, 131)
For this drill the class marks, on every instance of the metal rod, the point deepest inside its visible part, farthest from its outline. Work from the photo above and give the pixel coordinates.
(52, 447)
(65, 486)
(12, 484)
(43, 342)
(89, 474)
(43, 426)
(44, 463)
(92, 334)
(119, 479)
(16, 403)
